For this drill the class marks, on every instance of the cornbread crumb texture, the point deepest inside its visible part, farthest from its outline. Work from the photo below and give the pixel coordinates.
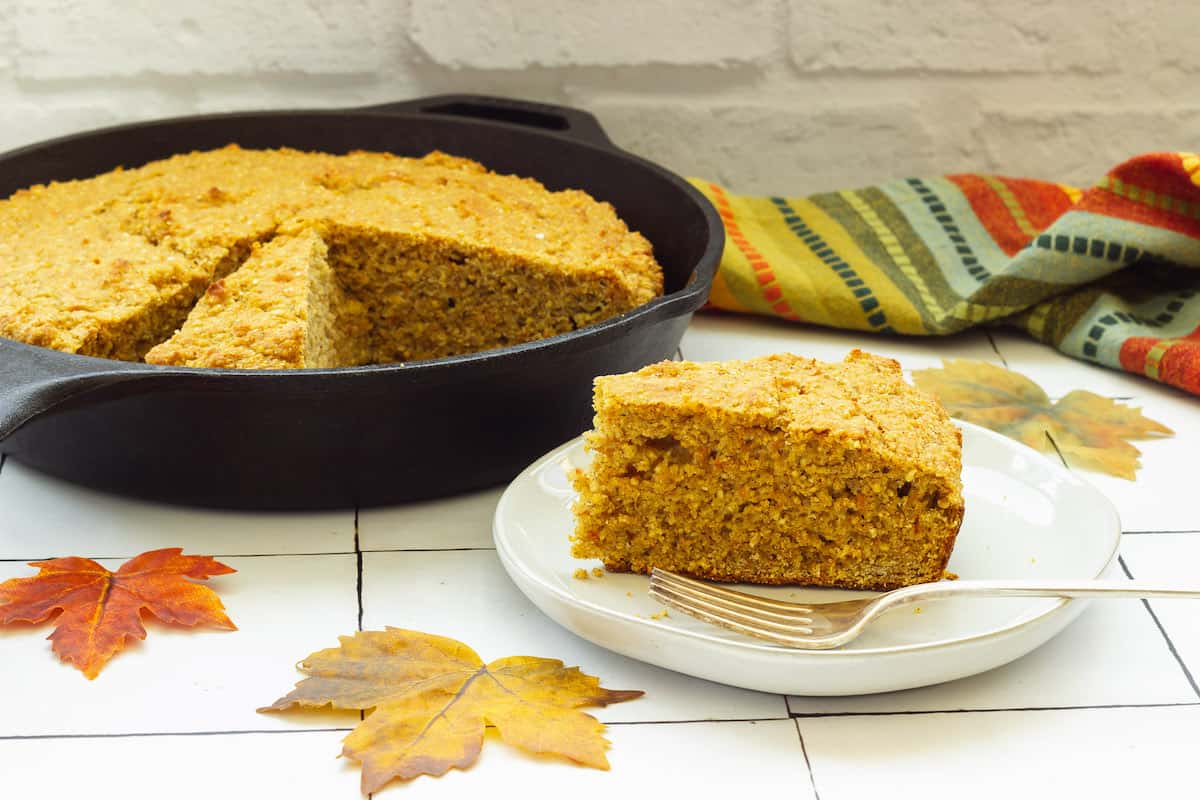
(282, 308)
(279, 258)
(779, 469)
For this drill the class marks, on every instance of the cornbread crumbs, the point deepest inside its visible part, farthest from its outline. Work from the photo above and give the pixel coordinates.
(581, 574)
(776, 470)
(597, 572)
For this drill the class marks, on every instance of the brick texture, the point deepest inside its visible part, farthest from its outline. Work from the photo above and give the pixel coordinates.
(485, 34)
(1079, 140)
(771, 96)
(810, 150)
(965, 36)
(82, 39)
(7, 38)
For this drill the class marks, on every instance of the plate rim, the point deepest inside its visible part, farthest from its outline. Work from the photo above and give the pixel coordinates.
(751, 646)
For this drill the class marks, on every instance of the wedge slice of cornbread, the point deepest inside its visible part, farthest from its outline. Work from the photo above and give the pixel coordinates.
(775, 470)
(283, 309)
(84, 287)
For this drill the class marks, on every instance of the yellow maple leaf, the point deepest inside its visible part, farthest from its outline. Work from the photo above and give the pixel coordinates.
(433, 697)
(1090, 431)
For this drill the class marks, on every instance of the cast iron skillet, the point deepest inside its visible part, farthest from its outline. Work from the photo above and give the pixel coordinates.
(311, 439)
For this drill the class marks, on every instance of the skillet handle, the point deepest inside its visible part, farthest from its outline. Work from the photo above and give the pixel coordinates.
(570, 122)
(34, 380)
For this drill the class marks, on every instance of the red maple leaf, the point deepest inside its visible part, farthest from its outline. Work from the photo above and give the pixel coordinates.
(102, 609)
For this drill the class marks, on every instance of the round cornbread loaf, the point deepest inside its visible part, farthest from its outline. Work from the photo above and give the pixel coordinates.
(286, 259)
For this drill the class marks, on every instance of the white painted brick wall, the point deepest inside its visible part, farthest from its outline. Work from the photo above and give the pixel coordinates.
(85, 40)
(972, 36)
(517, 35)
(789, 96)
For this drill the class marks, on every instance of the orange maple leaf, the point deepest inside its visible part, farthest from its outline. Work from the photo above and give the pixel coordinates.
(101, 609)
(433, 697)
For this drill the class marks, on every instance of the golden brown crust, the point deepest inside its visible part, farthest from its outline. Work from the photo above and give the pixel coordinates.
(82, 287)
(112, 265)
(779, 469)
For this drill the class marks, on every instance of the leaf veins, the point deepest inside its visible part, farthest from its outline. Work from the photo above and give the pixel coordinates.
(101, 610)
(430, 699)
(1091, 431)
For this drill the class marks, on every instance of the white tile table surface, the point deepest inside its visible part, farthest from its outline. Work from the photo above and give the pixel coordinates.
(1110, 708)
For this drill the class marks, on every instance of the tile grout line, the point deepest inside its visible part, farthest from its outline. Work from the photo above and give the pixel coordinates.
(812, 778)
(358, 558)
(996, 349)
(1187, 673)
(136, 734)
(358, 586)
(623, 722)
(620, 723)
(356, 551)
(920, 712)
(1058, 452)
(147, 734)
(430, 550)
(126, 557)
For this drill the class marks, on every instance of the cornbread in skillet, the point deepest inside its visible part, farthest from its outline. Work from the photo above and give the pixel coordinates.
(779, 469)
(361, 258)
(282, 310)
(213, 206)
(84, 287)
(453, 259)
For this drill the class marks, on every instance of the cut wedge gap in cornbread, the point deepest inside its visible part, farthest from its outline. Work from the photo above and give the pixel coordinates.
(283, 309)
(775, 470)
(382, 297)
(100, 292)
(85, 273)
(210, 264)
(430, 296)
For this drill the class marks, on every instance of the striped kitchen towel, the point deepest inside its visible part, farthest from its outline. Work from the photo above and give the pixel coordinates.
(1110, 274)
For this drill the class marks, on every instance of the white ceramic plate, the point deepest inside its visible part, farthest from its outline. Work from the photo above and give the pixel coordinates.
(1026, 517)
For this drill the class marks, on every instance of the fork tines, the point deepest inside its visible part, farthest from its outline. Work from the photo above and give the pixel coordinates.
(738, 611)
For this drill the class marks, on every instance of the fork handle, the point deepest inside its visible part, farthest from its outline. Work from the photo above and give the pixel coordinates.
(1036, 588)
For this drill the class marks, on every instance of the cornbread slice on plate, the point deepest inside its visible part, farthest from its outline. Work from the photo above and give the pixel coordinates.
(776, 470)
(283, 309)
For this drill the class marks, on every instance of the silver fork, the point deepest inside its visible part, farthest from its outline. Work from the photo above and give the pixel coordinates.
(821, 626)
